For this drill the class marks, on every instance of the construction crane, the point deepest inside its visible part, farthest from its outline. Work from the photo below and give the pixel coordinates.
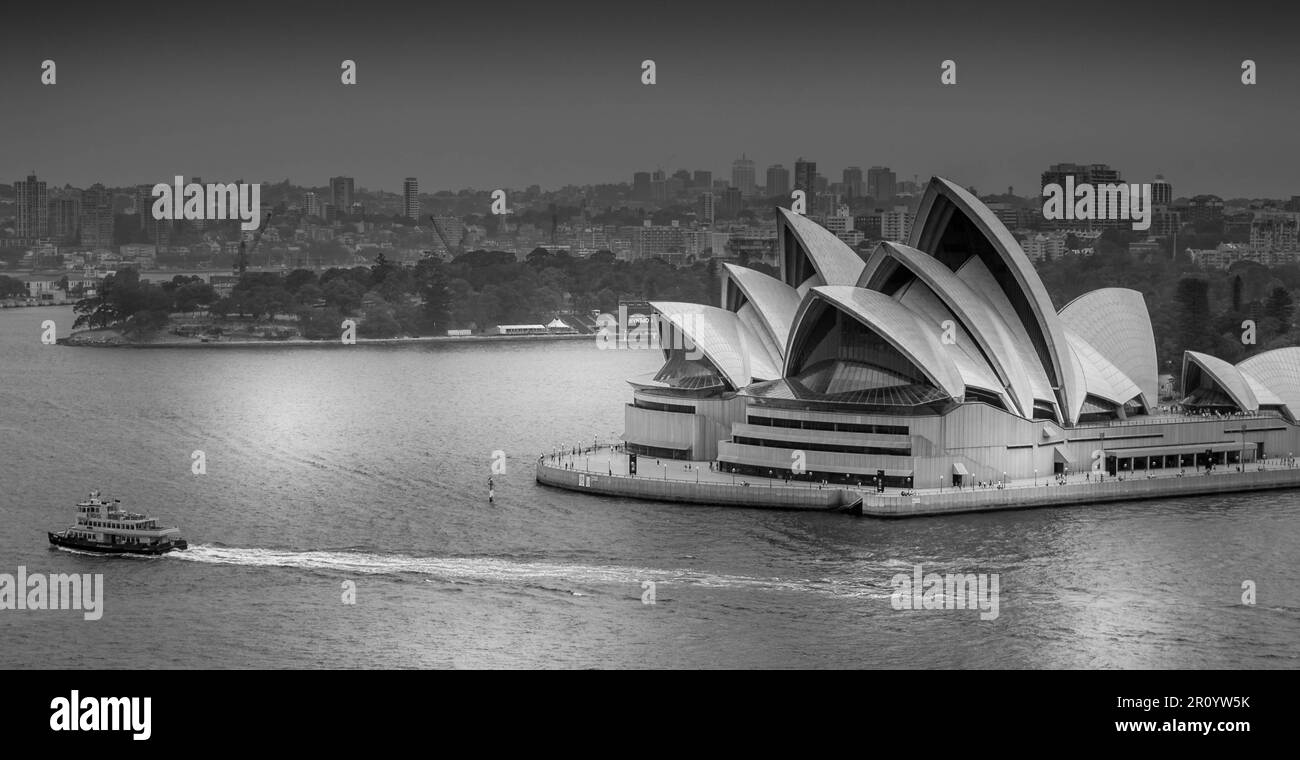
(245, 252)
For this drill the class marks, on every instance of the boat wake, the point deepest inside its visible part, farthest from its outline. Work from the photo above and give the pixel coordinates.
(493, 570)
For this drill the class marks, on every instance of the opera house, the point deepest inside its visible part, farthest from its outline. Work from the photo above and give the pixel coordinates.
(941, 362)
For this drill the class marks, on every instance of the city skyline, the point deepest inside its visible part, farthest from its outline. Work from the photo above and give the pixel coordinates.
(459, 104)
(1168, 189)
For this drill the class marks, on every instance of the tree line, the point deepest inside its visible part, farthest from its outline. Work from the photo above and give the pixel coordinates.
(476, 290)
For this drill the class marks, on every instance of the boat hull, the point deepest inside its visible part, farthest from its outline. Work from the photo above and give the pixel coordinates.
(81, 544)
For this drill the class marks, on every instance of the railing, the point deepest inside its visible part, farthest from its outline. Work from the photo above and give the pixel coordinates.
(1166, 418)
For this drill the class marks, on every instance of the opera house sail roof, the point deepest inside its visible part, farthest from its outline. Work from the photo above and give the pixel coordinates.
(957, 315)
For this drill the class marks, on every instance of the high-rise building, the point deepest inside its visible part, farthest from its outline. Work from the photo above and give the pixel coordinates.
(411, 198)
(1276, 231)
(869, 224)
(683, 176)
(896, 224)
(63, 220)
(96, 217)
(882, 183)
(742, 176)
(1165, 221)
(1102, 174)
(853, 181)
(1162, 193)
(778, 180)
(1089, 174)
(706, 208)
(732, 203)
(144, 206)
(805, 176)
(156, 230)
(341, 193)
(1204, 208)
(201, 223)
(641, 186)
(1095, 174)
(658, 188)
(33, 208)
(310, 204)
(702, 179)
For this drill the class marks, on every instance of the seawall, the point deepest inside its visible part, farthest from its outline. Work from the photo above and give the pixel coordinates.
(1132, 489)
(717, 494)
(922, 504)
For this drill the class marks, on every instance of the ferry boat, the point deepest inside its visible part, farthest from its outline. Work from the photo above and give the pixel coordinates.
(103, 526)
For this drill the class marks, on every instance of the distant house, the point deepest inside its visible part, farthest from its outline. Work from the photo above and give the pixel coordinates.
(459, 333)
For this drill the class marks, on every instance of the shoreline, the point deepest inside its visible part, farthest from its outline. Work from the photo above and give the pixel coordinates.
(118, 342)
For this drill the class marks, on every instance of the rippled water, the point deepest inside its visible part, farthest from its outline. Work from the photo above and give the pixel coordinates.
(326, 465)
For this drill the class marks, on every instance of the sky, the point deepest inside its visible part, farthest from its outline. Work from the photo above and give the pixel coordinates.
(490, 94)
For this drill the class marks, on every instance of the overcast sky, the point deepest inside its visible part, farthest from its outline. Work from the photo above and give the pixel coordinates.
(507, 94)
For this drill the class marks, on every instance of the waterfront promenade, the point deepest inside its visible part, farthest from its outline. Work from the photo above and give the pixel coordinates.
(604, 470)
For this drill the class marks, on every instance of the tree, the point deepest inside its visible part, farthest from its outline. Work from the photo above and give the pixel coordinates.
(1280, 307)
(296, 279)
(435, 293)
(9, 287)
(538, 257)
(382, 269)
(344, 294)
(308, 294)
(1193, 304)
